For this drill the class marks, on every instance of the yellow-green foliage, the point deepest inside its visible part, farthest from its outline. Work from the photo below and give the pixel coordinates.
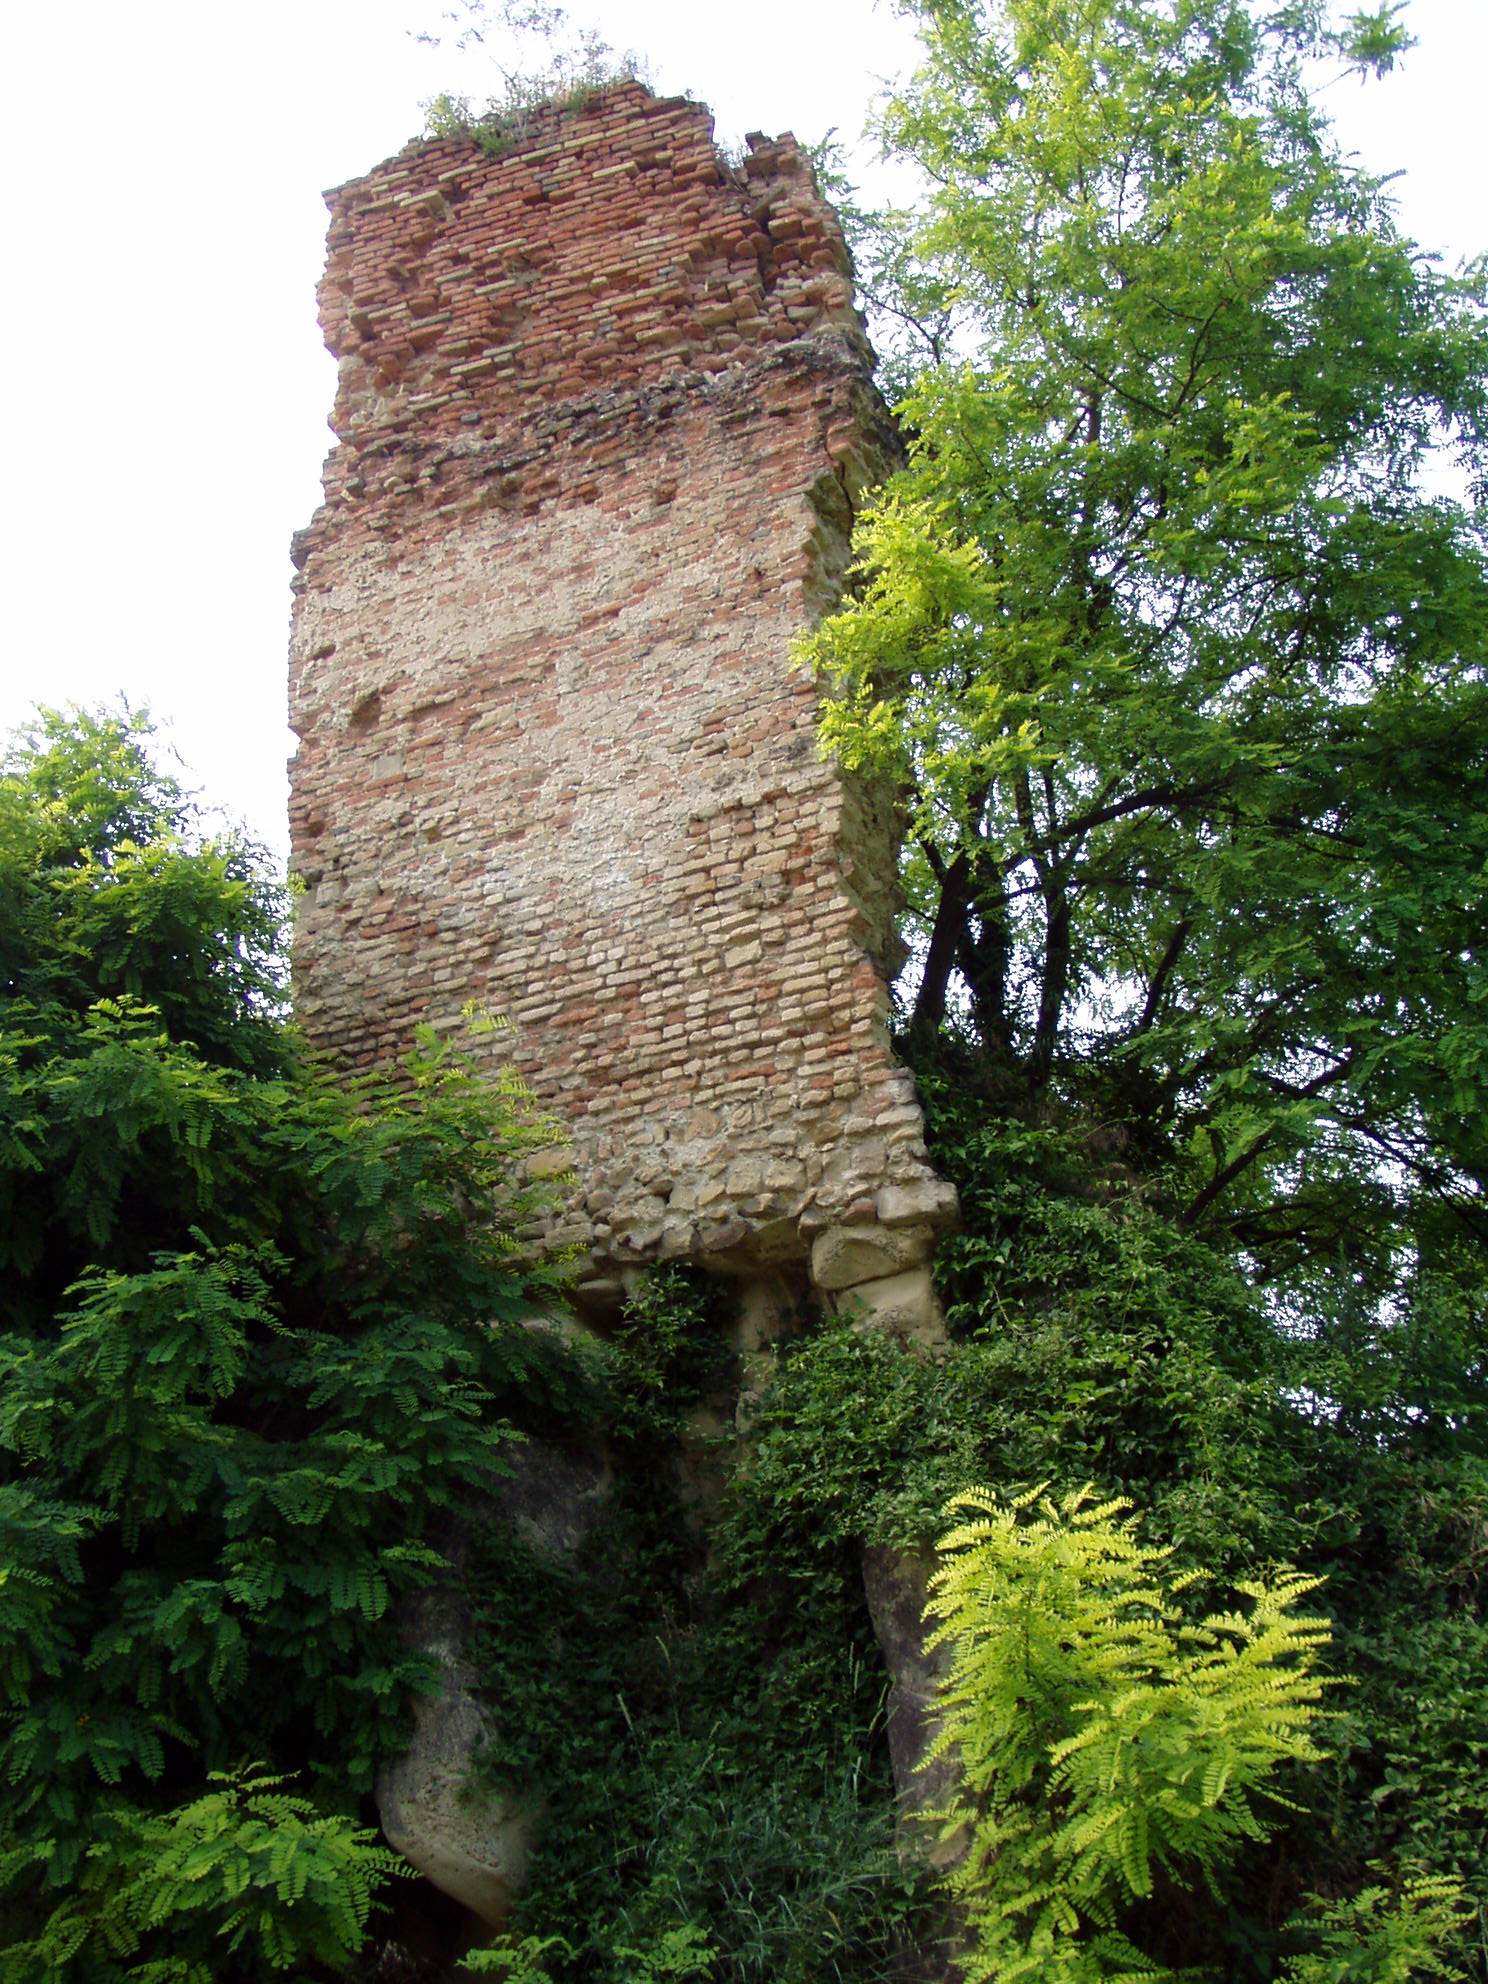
(1380, 1937)
(1100, 1737)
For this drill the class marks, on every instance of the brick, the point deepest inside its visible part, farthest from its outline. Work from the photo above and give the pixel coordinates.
(554, 753)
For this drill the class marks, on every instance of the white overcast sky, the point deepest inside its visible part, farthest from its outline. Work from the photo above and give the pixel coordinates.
(166, 390)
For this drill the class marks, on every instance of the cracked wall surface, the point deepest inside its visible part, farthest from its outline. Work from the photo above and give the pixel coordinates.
(603, 413)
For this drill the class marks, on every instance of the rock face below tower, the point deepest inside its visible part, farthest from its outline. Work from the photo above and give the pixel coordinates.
(604, 409)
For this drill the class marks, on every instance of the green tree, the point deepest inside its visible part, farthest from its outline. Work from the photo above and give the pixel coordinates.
(259, 1335)
(1176, 650)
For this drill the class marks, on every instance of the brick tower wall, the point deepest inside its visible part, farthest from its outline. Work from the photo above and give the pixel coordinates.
(603, 412)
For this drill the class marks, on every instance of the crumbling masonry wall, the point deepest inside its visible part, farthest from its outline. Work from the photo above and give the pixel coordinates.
(603, 412)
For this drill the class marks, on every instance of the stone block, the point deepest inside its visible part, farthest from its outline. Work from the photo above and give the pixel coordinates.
(471, 1842)
(678, 1240)
(471, 1839)
(905, 1305)
(897, 1584)
(929, 1201)
(723, 1237)
(844, 1256)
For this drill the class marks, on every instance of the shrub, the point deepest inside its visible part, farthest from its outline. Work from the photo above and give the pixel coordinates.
(260, 1334)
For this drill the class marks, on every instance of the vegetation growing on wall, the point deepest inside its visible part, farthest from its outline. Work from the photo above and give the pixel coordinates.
(562, 69)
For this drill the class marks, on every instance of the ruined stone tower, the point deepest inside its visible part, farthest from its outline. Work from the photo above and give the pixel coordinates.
(604, 410)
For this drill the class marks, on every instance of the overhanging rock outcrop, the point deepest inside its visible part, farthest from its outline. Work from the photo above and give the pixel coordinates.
(604, 411)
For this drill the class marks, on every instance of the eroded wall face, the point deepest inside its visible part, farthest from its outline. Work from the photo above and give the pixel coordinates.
(603, 411)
